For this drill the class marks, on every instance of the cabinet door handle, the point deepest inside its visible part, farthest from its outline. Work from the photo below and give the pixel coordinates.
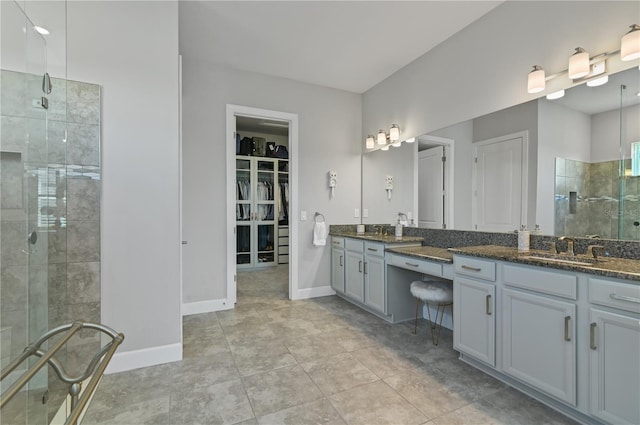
(624, 298)
(488, 304)
(567, 319)
(365, 267)
(473, 269)
(341, 261)
(360, 266)
(412, 265)
(592, 336)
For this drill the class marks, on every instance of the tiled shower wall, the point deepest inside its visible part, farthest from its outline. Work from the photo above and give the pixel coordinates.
(64, 286)
(595, 211)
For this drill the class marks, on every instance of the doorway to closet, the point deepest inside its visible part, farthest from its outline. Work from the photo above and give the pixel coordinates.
(262, 244)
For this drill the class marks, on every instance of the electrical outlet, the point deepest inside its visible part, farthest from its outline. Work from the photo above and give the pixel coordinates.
(356, 213)
(389, 183)
(303, 215)
(365, 213)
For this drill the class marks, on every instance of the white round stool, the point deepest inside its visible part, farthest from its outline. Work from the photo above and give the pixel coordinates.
(432, 292)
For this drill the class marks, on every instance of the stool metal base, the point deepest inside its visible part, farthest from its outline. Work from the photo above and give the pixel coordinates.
(434, 337)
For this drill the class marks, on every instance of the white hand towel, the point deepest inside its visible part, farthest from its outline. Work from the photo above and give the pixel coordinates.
(319, 234)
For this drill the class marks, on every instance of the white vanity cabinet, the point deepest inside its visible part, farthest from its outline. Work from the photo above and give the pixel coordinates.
(539, 329)
(337, 264)
(359, 274)
(614, 351)
(374, 276)
(354, 269)
(474, 308)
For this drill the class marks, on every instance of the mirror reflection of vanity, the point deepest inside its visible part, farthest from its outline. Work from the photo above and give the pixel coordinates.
(571, 149)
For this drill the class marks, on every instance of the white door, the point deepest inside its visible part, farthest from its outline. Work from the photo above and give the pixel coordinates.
(431, 190)
(500, 184)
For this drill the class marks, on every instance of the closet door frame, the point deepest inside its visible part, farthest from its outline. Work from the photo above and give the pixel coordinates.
(292, 120)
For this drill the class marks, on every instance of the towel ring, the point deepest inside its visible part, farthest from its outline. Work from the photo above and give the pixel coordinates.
(317, 216)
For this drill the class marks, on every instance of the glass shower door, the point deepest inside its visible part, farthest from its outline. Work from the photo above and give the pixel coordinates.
(24, 240)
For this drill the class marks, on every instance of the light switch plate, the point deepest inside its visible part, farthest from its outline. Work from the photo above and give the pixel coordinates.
(365, 212)
(356, 213)
(303, 216)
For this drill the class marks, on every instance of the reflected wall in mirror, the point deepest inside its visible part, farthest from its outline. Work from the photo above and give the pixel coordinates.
(583, 126)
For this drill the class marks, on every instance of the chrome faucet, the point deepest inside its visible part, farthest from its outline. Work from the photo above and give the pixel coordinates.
(570, 242)
(377, 229)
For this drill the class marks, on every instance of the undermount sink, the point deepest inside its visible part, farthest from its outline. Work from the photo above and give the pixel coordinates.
(564, 259)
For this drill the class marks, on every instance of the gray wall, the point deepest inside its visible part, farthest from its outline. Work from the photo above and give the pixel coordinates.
(605, 129)
(329, 136)
(131, 51)
(484, 67)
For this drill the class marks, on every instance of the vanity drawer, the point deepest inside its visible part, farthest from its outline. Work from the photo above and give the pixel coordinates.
(540, 280)
(481, 269)
(371, 248)
(415, 264)
(624, 296)
(337, 242)
(354, 245)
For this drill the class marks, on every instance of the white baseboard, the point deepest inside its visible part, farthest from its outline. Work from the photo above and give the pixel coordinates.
(321, 291)
(152, 356)
(208, 306)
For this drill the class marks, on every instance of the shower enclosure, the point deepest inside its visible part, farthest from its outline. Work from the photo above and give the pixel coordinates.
(32, 204)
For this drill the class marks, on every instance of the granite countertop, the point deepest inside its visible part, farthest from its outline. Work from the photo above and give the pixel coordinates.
(391, 239)
(620, 268)
(440, 255)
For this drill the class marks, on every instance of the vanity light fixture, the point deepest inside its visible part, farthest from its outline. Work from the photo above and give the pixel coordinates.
(410, 140)
(371, 142)
(598, 81)
(555, 95)
(630, 44)
(397, 144)
(41, 30)
(385, 148)
(536, 80)
(579, 64)
(394, 133)
(582, 67)
(382, 137)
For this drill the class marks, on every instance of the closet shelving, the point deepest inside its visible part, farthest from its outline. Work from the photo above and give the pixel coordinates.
(255, 212)
(283, 209)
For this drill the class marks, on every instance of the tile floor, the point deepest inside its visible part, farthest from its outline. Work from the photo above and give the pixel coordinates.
(320, 361)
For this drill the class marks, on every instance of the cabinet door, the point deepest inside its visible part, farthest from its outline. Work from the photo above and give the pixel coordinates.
(474, 323)
(614, 361)
(374, 283)
(538, 343)
(337, 270)
(354, 275)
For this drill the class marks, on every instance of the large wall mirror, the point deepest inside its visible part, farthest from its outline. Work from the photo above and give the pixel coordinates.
(564, 165)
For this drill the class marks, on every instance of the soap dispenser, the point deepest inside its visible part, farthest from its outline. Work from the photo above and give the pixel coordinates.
(398, 228)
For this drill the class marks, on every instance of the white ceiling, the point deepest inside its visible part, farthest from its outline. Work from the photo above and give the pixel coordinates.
(347, 45)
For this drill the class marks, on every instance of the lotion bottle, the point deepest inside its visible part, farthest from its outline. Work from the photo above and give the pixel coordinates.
(398, 229)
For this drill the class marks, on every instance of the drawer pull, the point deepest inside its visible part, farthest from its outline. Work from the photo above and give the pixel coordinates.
(473, 269)
(624, 298)
(412, 265)
(488, 305)
(592, 336)
(566, 328)
(372, 249)
(360, 266)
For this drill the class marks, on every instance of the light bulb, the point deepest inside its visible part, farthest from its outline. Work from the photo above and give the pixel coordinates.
(630, 45)
(394, 132)
(579, 64)
(598, 81)
(370, 142)
(382, 137)
(555, 95)
(536, 80)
